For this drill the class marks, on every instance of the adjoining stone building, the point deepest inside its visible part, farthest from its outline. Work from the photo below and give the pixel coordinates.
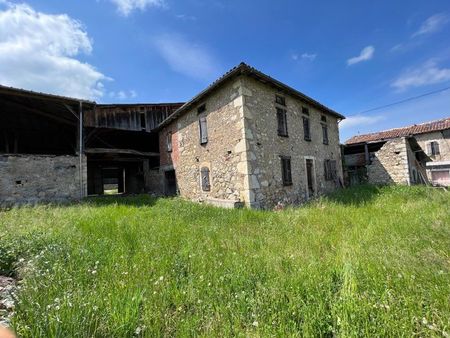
(418, 154)
(247, 139)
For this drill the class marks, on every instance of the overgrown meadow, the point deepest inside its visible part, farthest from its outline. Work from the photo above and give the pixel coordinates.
(364, 262)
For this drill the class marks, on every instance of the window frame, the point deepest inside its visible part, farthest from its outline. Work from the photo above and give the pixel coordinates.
(330, 169)
(305, 110)
(286, 170)
(434, 148)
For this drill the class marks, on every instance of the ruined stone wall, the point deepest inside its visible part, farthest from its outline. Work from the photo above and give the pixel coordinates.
(444, 144)
(224, 153)
(264, 147)
(390, 163)
(29, 179)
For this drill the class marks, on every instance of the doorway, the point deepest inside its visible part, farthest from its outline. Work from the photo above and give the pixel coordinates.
(170, 178)
(310, 178)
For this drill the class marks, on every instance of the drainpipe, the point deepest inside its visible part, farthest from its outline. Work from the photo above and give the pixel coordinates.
(81, 149)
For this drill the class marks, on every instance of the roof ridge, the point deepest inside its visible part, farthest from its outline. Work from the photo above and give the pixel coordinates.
(411, 127)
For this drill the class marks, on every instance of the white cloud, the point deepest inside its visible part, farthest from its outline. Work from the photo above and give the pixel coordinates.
(186, 17)
(38, 50)
(360, 121)
(428, 73)
(304, 56)
(365, 55)
(309, 56)
(433, 24)
(126, 7)
(123, 95)
(186, 57)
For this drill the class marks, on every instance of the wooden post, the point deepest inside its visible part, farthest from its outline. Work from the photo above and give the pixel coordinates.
(366, 152)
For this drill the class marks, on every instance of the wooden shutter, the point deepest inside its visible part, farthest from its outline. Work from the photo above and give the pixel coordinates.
(333, 169)
(306, 130)
(325, 134)
(282, 122)
(203, 130)
(286, 173)
(326, 169)
(436, 148)
(206, 185)
(429, 148)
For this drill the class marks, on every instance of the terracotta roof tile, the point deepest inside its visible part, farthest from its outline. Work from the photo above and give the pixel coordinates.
(422, 128)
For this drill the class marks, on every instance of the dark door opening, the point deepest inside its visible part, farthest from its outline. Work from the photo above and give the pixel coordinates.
(170, 183)
(113, 181)
(310, 177)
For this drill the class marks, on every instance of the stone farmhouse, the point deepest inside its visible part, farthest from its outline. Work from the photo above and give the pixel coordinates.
(246, 140)
(418, 154)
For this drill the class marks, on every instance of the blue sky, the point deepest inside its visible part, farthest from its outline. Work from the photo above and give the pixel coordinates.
(349, 55)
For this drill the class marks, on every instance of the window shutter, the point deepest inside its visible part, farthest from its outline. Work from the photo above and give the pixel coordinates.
(307, 134)
(282, 122)
(203, 130)
(333, 169)
(325, 168)
(286, 173)
(436, 148)
(325, 134)
(429, 149)
(206, 185)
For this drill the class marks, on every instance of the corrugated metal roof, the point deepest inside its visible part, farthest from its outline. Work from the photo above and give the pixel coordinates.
(415, 129)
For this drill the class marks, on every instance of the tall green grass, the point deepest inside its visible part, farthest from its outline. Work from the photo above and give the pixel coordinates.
(363, 262)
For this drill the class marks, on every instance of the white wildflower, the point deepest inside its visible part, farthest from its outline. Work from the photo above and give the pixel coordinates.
(255, 323)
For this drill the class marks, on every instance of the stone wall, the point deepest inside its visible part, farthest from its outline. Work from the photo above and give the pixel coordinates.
(29, 179)
(224, 153)
(265, 146)
(444, 144)
(390, 163)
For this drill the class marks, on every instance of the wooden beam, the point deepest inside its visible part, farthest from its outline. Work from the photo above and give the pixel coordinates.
(28, 109)
(119, 151)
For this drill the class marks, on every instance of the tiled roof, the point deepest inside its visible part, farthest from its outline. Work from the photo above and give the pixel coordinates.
(243, 68)
(422, 128)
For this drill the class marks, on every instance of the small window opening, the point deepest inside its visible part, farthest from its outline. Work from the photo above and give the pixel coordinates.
(433, 148)
(18, 182)
(305, 110)
(280, 100)
(323, 118)
(169, 142)
(201, 109)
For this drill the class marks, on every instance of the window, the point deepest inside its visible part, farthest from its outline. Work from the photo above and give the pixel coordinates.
(306, 131)
(282, 122)
(330, 170)
(433, 148)
(305, 110)
(323, 118)
(201, 109)
(280, 100)
(203, 130)
(206, 185)
(325, 133)
(169, 142)
(286, 173)
(143, 121)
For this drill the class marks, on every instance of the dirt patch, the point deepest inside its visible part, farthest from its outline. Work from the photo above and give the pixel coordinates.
(7, 288)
